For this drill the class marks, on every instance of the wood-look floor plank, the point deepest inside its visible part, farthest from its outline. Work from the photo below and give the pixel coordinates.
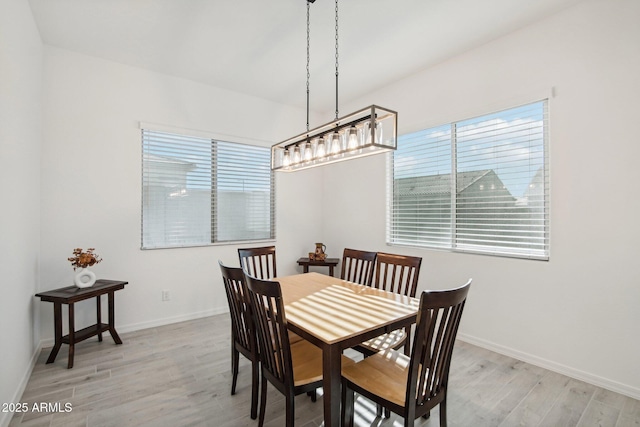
(180, 375)
(532, 409)
(570, 405)
(599, 414)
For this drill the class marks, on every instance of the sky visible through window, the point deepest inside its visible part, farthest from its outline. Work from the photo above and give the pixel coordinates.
(508, 142)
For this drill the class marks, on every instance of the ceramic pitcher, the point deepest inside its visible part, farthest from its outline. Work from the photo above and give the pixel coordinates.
(320, 249)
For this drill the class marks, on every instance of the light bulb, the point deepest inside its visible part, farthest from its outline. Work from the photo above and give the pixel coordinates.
(321, 150)
(296, 154)
(336, 146)
(307, 152)
(286, 161)
(352, 138)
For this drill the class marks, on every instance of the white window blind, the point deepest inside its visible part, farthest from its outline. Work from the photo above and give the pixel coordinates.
(200, 191)
(478, 185)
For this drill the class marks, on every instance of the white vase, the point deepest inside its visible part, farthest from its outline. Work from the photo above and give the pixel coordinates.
(84, 278)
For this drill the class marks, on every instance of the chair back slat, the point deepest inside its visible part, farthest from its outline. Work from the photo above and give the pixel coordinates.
(273, 338)
(397, 273)
(436, 329)
(357, 266)
(259, 262)
(242, 327)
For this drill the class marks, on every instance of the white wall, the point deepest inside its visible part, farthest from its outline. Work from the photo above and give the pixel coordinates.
(91, 193)
(576, 313)
(20, 140)
(572, 313)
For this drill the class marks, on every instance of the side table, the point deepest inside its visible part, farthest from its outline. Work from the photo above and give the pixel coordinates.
(72, 294)
(328, 262)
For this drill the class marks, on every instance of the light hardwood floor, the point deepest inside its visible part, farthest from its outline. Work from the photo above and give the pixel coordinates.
(179, 375)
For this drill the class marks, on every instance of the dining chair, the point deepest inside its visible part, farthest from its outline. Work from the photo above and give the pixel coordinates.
(398, 274)
(292, 368)
(411, 386)
(259, 262)
(357, 266)
(243, 334)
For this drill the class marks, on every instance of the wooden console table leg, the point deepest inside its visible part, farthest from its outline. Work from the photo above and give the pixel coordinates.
(99, 317)
(57, 322)
(72, 336)
(112, 317)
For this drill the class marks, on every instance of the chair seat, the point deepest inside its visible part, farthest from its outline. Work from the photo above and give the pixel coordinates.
(392, 340)
(411, 386)
(307, 362)
(293, 337)
(384, 374)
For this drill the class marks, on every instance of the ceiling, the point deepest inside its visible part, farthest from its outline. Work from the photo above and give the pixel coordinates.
(258, 47)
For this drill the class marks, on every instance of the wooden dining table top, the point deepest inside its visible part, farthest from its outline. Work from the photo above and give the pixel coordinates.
(335, 315)
(333, 309)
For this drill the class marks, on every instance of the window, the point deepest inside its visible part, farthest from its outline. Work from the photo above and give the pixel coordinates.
(199, 191)
(478, 185)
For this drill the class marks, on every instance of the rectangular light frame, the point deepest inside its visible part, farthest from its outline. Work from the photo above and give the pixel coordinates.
(357, 138)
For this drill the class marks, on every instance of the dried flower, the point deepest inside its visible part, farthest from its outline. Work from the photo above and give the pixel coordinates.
(84, 259)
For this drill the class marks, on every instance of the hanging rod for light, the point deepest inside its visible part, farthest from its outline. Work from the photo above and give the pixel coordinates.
(366, 132)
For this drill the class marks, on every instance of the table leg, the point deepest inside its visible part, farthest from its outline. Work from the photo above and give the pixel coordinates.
(305, 268)
(331, 270)
(99, 317)
(57, 322)
(112, 316)
(72, 336)
(331, 371)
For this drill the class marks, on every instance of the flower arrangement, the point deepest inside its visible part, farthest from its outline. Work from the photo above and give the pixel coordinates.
(84, 259)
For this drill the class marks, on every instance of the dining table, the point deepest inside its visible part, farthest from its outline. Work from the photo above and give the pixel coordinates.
(335, 315)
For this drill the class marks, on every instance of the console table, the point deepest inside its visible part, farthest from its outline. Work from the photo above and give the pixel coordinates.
(72, 294)
(328, 262)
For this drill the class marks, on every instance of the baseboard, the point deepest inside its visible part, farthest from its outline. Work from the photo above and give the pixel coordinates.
(169, 320)
(153, 323)
(5, 417)
(587, 377)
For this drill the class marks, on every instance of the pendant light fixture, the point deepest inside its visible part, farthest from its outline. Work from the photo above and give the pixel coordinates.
(371, 130)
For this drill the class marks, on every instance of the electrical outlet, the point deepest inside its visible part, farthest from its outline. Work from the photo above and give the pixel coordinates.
(165, 295)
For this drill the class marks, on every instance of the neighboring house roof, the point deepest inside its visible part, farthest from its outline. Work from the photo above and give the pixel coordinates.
(439, 184)
(166, 171)
(536, 186)
(166, 160)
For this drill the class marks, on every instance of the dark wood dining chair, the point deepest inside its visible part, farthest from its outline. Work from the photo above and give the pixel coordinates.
(292, 368)
(243, 333)
(357, 266)
(398, 274)
(259, 262)
(411, 386)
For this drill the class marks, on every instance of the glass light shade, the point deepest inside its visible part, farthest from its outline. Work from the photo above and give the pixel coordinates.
(286, 159)
(321, 149)
(336, 143)
(308, 155)
(358, 139)
(352, 138)
(296, 155)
